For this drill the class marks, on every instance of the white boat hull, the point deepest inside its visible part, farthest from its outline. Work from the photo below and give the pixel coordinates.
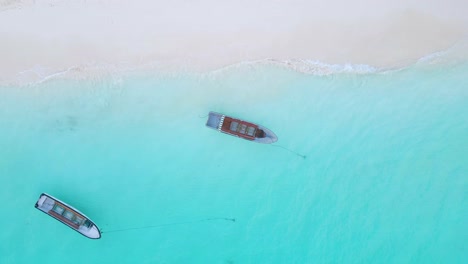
(86, 227)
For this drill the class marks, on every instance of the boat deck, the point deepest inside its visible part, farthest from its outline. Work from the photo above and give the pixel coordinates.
(240, 128)
(68, 215)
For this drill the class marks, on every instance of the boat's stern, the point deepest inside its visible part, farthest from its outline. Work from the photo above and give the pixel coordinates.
(41, 200)
(44, 203)
(215, 120)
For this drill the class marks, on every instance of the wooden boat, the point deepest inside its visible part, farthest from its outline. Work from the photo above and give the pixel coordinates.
(240, 128)
(68, 215)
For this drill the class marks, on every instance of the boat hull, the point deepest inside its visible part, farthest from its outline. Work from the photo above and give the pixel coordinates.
(217, 121)
(46, 203)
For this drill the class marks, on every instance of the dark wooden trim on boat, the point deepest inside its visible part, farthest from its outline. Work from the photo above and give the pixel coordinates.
(70, 209)
(226, 127)
(63, 219)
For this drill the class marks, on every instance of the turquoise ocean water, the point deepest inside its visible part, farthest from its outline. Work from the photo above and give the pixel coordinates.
(384, 180)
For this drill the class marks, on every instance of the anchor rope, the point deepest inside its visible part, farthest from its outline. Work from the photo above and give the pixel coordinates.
(171, 224)
(290, 150)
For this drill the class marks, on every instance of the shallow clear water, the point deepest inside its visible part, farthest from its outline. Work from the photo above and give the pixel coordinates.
(384, 180)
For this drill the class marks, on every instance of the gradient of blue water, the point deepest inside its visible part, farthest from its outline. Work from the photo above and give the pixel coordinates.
(384, 180)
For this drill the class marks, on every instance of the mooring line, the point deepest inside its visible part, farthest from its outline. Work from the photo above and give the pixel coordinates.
(292, 151)
(171, 224)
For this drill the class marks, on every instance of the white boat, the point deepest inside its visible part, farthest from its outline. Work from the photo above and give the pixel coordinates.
(68, 215)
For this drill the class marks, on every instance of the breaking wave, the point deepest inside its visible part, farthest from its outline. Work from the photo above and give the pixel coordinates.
(313, 67)
(40, 74)
(455, 54)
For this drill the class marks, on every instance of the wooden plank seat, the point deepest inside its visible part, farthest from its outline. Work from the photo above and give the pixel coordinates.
(239, 128)
(66, 220)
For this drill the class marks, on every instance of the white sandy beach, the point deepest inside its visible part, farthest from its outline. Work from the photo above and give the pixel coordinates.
(39, 38)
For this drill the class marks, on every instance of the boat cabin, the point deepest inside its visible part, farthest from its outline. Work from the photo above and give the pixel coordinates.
(240, 128)
(69, 216)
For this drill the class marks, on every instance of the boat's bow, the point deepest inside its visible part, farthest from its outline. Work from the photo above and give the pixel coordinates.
(268, 138)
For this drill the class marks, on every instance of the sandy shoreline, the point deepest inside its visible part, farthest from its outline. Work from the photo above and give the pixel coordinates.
(53, 36)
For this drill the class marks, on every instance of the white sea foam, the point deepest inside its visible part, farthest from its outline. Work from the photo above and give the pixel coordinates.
(433, 58)
(39, 74)
(319, 68)
(313, 67)
(457, 52)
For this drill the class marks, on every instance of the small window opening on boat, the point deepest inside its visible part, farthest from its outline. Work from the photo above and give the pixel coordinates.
(251, 131)
(58, 209)
(77, 220)
(234, 126)
(68, 215)
(243, 128)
